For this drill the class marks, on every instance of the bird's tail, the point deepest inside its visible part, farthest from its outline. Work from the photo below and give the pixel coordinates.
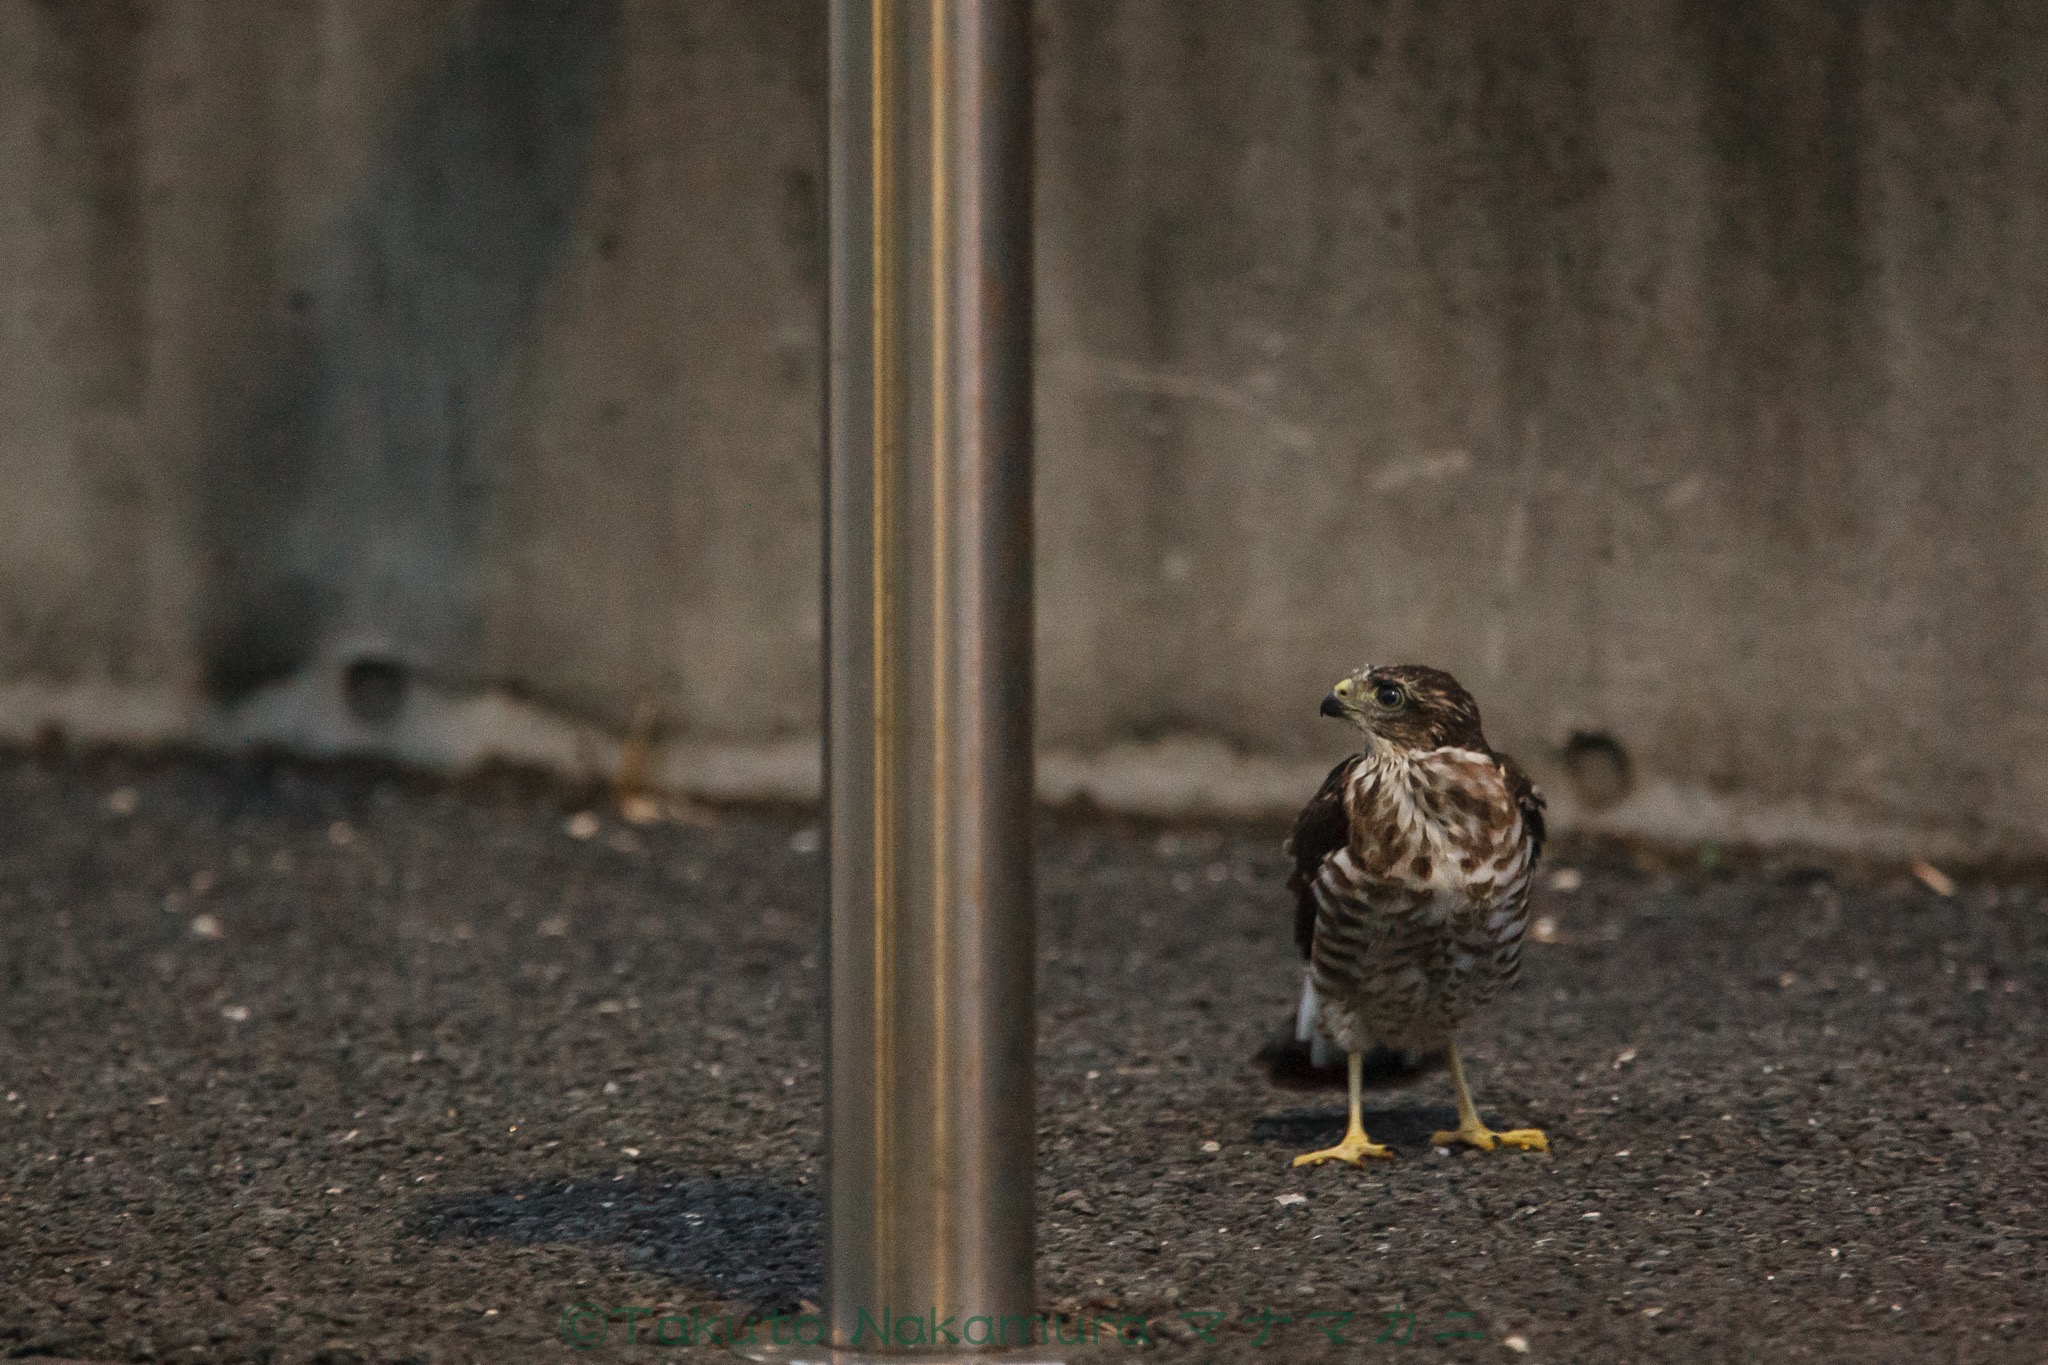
(1305, 1060)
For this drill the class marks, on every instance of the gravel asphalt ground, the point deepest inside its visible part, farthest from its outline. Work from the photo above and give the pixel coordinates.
(329, 1064)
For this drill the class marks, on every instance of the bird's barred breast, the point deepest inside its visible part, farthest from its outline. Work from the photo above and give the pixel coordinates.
(1420, 917)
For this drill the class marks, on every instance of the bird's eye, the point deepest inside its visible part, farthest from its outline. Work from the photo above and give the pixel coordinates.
(1387, 695)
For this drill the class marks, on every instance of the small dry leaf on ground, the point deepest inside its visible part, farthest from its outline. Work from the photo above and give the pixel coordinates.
(1933, 878)
(640, 809)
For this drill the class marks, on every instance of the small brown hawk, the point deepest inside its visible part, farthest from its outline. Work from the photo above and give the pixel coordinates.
(1411, 882)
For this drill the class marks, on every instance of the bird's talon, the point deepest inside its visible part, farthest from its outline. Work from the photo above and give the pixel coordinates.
(1485, 1139)
(1354, 1149)
(1477, 1137)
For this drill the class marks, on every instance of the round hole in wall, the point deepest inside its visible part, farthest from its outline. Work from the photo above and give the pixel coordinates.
(374, 690)
(1599, 769)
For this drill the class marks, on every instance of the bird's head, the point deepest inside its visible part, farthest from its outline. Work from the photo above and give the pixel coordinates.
(1408, 706)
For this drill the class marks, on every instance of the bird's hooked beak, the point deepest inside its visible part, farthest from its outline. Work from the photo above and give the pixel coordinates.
(1333, 707)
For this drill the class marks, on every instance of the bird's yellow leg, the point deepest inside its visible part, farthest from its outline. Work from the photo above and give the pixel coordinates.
(1471, 1130)
(1356, 1146)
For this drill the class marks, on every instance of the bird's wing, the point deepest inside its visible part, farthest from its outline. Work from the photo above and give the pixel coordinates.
(1528, 799)
(1323, 827)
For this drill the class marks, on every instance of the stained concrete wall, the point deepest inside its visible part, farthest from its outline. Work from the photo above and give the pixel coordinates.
(1675, 374)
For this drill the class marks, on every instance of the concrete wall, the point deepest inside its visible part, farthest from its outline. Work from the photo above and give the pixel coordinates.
(1675, 374)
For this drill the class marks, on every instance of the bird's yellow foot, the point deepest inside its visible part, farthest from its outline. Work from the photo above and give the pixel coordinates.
(1355, 1147)
(1484, 1138)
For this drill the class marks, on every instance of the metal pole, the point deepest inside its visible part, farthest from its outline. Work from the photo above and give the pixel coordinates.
(930, 1134)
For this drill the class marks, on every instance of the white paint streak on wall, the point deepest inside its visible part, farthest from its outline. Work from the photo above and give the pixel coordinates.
(1434, 467)
(1130, 377)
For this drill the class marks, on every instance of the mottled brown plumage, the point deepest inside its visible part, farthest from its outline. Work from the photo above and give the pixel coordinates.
(1411, 878)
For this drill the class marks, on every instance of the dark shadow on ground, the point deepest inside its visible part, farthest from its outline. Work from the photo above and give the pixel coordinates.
(752, 1242)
